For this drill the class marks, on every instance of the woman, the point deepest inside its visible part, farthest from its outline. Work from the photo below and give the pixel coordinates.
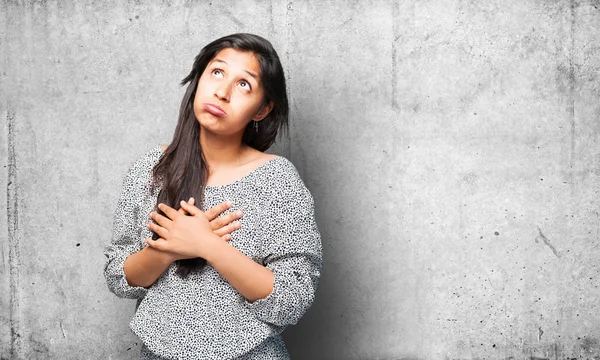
(222, 280)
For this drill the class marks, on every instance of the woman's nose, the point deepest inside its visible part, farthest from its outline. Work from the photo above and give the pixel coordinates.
(223, 91)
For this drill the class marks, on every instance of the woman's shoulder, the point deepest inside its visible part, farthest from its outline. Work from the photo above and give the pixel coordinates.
(279, 167)
(270, 166)
(282, 178)
(142, 166)
(150, 157)
(139, 175)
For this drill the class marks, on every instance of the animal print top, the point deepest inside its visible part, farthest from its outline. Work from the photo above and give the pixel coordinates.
(202, 316)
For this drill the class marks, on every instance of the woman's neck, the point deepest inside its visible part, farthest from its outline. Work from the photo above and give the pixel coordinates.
(223, 152)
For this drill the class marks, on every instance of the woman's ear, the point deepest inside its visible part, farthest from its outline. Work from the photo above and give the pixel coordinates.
(263, 112)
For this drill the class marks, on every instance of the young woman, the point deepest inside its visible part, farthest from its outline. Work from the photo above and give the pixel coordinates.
(220, 280)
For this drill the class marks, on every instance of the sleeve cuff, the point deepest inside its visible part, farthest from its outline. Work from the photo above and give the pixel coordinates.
(275, 308)
(266, 305)
(118, 282)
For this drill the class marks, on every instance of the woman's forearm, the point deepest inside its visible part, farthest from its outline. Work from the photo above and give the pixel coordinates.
(145, 266)
(250, 279)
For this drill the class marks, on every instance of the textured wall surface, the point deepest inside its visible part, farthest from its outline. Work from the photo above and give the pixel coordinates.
(452, 148)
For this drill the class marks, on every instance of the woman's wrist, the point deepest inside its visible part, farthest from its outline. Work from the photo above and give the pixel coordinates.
(165, 258)
(212, 248)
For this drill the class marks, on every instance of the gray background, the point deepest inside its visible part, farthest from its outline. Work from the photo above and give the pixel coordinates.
(452, 148)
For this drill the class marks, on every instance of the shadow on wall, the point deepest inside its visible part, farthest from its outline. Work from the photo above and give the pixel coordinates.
(586, 348)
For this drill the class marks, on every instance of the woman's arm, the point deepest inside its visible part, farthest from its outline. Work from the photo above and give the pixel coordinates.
(190, 237)
(145, 266)
(250, 279)
(125, 233)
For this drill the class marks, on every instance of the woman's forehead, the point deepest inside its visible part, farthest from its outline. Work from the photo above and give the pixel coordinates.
(241, 60)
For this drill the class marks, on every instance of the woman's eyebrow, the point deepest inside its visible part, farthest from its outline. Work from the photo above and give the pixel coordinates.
(252, 74)
(248, 71)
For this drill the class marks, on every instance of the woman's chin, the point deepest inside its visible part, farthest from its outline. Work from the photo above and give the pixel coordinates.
(210, 123)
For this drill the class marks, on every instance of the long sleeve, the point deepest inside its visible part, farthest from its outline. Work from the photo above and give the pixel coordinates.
(292, 251)
(126, 236)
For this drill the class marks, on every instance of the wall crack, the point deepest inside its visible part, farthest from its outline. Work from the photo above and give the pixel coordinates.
(547, 242)
(12, 214)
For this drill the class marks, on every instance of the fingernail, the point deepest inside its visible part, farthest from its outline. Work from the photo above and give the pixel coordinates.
(239, 213)
(229, 203)
(191, 199)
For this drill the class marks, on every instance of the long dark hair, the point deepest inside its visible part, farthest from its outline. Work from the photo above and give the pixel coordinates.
(182, 170)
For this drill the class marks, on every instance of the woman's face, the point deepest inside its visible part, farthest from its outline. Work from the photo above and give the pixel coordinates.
(230, 93)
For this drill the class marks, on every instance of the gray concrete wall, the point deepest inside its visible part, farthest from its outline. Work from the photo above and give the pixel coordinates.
(452, 148)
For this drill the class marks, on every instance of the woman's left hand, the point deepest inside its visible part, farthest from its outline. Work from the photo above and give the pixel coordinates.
(182, 235)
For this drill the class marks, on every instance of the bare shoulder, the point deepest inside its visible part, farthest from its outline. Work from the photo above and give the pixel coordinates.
(259, 157)
(267, 157)
(164, 147)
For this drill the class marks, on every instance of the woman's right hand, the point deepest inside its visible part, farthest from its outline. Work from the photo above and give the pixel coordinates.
(223, 225)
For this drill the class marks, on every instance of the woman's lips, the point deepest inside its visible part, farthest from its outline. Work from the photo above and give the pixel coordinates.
(215, 110)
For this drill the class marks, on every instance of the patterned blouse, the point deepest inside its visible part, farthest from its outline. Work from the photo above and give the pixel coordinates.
(202, 316)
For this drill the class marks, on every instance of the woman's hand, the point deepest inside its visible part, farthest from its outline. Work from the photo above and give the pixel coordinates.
(223, 225)
(183, 236)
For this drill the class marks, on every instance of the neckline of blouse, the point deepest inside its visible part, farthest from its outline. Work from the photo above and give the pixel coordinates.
(243, 178)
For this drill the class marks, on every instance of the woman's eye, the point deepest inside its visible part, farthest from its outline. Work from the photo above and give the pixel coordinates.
(245, 85)
(217, 72)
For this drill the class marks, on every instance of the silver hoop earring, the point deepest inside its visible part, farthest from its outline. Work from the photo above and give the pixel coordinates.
(256, 126)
